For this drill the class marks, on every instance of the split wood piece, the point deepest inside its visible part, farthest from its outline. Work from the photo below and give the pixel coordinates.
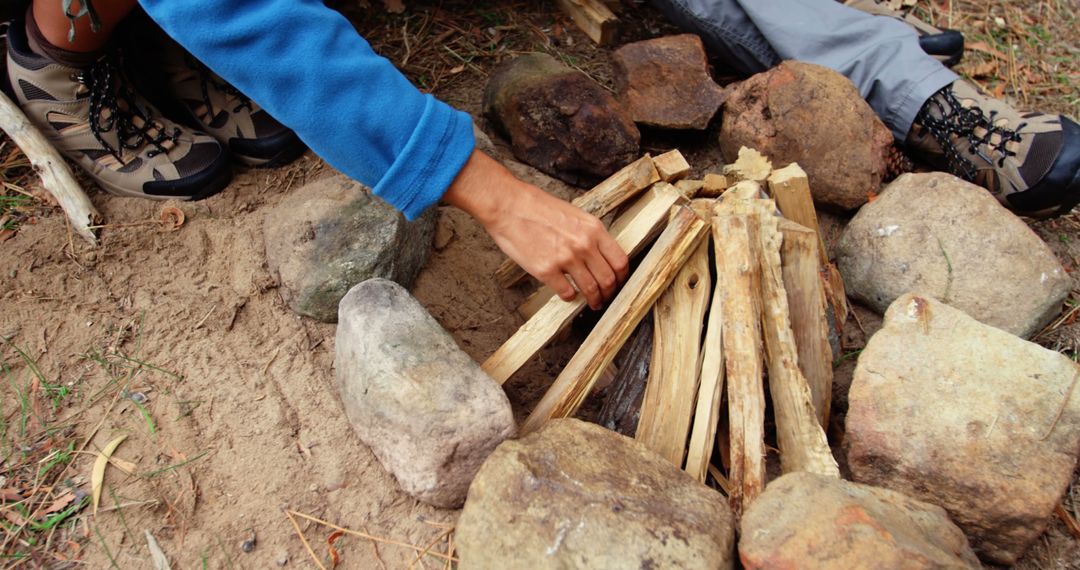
(790, 188)
(56, 176)
(622, 409)
(745, 190)
(594, 18)
(672, 389)
(711, 376)
(802, 441)
(836, 293)
(603, 199)
(690, 187)
(632, 230)
(703, 207)
(672, 166)
(806, 304)
(739, 280)
(544, 294)
(751, 165)
(679, 240)
(714, 185)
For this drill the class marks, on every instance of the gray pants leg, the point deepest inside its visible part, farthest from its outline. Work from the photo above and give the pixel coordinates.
(880, 55)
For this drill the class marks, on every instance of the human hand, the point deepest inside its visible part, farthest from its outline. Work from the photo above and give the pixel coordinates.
(549, 238)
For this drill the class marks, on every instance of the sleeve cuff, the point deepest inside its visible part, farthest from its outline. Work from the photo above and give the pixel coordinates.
(439, 146)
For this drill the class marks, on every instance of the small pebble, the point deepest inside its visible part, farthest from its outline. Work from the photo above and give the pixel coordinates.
(249, 544)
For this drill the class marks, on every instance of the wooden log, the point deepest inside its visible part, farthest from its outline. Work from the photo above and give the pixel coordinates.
(632, 230)
(672, 166)
(751, 165)
(714, 185)
(711, 381)
(594, 18)
(56, 176)
(679, 240)
(739, 281)
(790, 188)
(801, 438)
(622, 409)
(807, 306)
(603, 199)
(673, 379)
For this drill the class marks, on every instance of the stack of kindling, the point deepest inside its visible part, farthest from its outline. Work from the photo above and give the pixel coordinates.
(760, 305)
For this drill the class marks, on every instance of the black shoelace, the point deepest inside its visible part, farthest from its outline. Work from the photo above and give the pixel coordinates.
(208, 79)
(109, 91)
(955, 120)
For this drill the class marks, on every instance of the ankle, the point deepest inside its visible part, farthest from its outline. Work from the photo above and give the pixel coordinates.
(41, 46)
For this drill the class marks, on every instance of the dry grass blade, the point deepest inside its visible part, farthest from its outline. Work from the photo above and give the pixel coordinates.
(1070, 522)
(363, 535)
(300, 533)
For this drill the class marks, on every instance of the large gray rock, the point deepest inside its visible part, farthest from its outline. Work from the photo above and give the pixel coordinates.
(665, 82)
(577, 496)
(938, 235)
(812, 115)
(333, 233)
(559, 120)
(811, 522)
(967, 417)
(427, 411)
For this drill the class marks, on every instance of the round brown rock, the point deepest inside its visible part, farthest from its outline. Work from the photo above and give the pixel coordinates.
(812, 115)
(577, 496)
(812, 522)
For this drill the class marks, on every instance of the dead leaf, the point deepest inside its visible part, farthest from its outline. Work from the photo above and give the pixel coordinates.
(394, 6)
(6, 234)
(157, 556)
(999, 91)
(984, 69)
(335, 558)
(10, 495)
(983, 47)
(457, 70)
(870, 197)
(60, 503)
(97, 476)
(128, 467)
(14, 518)
(171, 218)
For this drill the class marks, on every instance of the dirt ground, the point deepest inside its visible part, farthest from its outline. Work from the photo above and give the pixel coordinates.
(179, 339)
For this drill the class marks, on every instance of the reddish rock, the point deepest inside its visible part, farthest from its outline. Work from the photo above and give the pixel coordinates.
(665, 82)
(559, 120)
(805, 113)
(811, 522)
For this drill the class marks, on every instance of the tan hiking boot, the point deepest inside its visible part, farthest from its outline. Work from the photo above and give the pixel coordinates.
(947, 46)
(1029, 161)
(94, 117)
(213, 105)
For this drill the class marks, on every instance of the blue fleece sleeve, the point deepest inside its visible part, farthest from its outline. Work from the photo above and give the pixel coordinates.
(307, 66)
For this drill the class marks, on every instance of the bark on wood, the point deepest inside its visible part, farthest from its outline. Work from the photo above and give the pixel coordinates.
(836, 293)
(622, 409)
(594, 18)
(673, 379)
(682, 236)
(56, 176)
(802, 441)
(603, 199)
(739, 281)
(711, 384)
(714, 185)
(631, 231)
(790, 188)
(807, 305)
(671, 166)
